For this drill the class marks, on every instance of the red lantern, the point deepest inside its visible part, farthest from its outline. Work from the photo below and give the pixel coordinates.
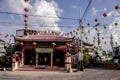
(82, 27)
(88, 24)
(26, 28)
(26, 0)
(102, 37)
(73, 30)
(96, 20)
(25, 21)
(25, 15)
(104, 15)
(77, 29)
(26, 9)
(117, 7)
(26, 24)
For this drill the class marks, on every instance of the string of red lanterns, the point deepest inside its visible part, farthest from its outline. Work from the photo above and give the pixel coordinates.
(96, 20)
(26, 10)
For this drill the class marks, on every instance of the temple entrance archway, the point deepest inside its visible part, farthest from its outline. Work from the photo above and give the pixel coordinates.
(59, 58)
(29, 57)
(44, 59)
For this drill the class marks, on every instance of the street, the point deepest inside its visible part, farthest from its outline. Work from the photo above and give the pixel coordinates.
(88, 74)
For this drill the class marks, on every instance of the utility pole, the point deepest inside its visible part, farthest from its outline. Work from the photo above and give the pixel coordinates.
(81, 66)
(81, 45)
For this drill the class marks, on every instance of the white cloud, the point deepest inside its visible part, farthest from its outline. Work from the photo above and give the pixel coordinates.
(94, 11)
(47, 9)
(12, 6)
(111, 29)
(39, 7)
(115, 31)
(113, 13)
(105, 9)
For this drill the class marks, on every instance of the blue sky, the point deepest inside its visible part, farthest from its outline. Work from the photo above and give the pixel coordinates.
(59, 8)
(72, 9)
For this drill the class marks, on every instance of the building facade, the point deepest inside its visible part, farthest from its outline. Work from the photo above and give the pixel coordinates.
(43, 48)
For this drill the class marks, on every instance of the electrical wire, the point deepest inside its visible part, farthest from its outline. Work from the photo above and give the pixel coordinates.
(40, 16)
(43, 25)
(86, 11)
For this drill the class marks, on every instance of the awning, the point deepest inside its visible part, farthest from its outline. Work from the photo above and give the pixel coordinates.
(44, 50)
(61, 48)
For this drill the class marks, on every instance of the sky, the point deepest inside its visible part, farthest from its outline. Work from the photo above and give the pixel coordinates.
(63, 16)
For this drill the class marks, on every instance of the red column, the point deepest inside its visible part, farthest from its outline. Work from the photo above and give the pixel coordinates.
(22, 54)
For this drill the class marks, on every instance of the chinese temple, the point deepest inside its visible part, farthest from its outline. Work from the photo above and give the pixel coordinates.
(41, 48)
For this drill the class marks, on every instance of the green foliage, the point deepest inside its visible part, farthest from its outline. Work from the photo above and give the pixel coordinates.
(10, 49)
(86, 59)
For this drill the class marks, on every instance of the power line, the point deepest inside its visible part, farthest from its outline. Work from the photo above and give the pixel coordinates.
(46, 25)
(86, 11)
(43, 25)
(40, 16)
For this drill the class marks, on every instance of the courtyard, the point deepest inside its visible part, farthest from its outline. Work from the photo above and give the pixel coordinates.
(87, 74)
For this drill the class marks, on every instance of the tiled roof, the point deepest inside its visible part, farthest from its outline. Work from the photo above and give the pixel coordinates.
(42, 37)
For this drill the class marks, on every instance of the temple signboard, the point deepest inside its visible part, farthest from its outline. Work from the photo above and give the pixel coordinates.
(44, 50)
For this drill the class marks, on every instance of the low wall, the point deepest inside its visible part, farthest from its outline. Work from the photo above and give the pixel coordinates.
(109, 65)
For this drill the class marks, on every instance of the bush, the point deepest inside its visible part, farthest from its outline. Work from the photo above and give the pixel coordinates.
(86, 59)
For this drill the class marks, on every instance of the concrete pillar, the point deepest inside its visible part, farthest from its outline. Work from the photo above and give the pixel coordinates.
(36, 59)
(68, 62)
(22, 54)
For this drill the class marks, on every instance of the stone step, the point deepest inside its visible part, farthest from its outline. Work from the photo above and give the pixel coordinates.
(40, 68)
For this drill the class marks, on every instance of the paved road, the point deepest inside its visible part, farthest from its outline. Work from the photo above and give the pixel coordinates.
(88, 74)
